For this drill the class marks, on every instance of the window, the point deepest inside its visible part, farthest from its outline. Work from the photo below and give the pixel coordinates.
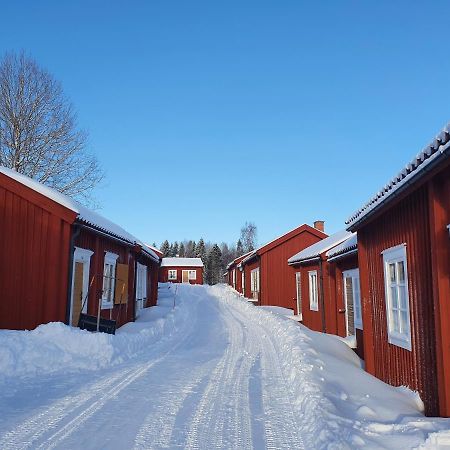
(243, 282)
(254, 281)
(352, 297)
(192, 275)
(234, 278)
(172, 274)
(109, 280)
(397, 297)
(141, 287)
(313, 291)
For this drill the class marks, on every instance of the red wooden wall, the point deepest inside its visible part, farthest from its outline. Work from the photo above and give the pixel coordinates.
(407, 222)
(248, 268)
(34, 257)
(277, 277)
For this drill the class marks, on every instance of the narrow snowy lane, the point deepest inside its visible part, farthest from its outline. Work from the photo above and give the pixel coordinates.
(221, 374)
(195, 389)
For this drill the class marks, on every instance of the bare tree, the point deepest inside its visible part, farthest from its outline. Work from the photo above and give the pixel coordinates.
(39, 136)
(248, 236)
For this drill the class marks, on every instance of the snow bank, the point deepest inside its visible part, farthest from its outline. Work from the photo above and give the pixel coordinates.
(343, 406)
(55, 347)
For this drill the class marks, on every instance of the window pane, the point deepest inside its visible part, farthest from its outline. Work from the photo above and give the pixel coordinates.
(394, 299)
(404, 322)
(403, 298)
(401, 271)
(392, 277)
(395, 324)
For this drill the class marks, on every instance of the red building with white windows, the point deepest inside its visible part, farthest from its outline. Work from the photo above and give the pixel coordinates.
(315, 290)
(267, 277)
(59, 259)
(181, 270)
(404, 263)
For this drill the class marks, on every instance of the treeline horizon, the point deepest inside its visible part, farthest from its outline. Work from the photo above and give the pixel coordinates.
(215, 256)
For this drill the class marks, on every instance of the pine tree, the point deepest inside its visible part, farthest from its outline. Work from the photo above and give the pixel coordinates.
(193, 249)
(239, 248)
(182, 251)
(175, 249)
(200, 250)
(171, 250)
(165, 248)
(214, 265)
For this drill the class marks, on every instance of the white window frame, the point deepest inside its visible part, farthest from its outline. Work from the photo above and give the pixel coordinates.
(254, 280)
(110, 259)
(313, 290)
(234, 279)
(172, 274)
(395, 255)
(141, 287)
(192, 275)
(356, 291)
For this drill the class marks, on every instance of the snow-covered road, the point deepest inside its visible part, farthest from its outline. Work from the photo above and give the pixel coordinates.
(220, 378)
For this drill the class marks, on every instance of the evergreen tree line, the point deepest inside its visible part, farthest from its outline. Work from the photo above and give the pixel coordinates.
(215, 256)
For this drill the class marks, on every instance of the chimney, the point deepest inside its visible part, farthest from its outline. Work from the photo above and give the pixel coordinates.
(319, 225)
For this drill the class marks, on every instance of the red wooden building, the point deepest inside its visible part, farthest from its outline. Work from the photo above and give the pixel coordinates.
(236, 274)
(53, 252)
(404, 262)
(312, 278)
(344, 281)
(268, 279)
(181, 270)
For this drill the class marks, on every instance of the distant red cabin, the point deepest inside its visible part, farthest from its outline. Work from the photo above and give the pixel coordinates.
(181, 270)
(267, 277)
(404, 262)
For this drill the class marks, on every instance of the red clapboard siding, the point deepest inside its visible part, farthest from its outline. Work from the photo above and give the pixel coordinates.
(407, 222)
(34, 258)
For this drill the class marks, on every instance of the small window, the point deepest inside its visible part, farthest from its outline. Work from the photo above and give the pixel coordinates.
(172, 274)
(313, 291)
(109, 280)
(397, 296)
(192, 275)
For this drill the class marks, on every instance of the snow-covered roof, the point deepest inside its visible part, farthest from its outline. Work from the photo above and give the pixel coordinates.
(182, 262)
(84, 215)
(237, 260)
(349, 245)
(432, 154)
(315, 250)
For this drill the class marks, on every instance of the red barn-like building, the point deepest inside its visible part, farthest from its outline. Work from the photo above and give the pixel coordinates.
(268, 279)
(404, 262)
(315, 291)
(235, 274)
(181, 270)
(58, 258)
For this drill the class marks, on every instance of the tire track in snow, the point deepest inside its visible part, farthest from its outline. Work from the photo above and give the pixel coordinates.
(25, 435)
(222, 419)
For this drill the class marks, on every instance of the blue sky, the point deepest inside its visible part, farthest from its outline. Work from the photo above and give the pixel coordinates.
(208, 114)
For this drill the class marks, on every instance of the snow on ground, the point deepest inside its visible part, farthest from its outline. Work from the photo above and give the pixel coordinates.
(213, 372)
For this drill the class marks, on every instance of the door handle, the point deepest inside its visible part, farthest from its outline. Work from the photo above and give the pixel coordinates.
(341, 311)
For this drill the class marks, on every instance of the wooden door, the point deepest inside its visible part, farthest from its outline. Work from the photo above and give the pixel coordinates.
(77, 292)
(185, 276)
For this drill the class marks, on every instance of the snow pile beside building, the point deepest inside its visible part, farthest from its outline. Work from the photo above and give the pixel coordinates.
(57, 348)
(342, 406)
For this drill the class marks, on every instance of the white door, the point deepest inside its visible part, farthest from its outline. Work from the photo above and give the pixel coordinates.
(80, 284)
(298, 290)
